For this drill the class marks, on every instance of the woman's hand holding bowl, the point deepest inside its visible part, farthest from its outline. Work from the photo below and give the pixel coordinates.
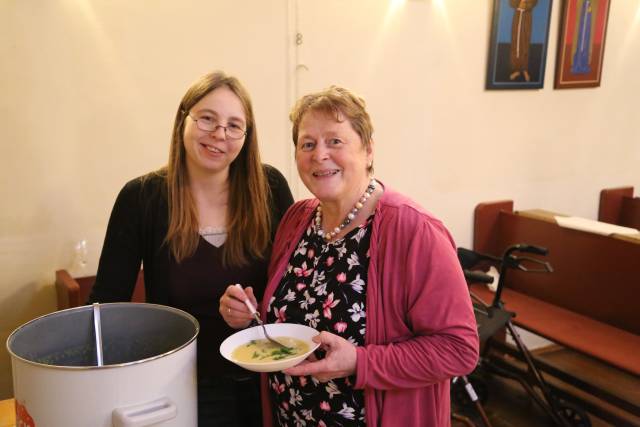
(339, 361)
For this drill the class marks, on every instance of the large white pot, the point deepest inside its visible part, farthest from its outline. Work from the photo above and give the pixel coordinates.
(148, 377)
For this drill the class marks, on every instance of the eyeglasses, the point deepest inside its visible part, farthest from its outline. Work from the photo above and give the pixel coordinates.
(207, 124)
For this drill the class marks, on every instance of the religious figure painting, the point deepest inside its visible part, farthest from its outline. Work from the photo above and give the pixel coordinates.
(581, 43)
(518, 46)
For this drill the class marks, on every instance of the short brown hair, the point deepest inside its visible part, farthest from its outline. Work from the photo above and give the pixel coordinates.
(337, 102)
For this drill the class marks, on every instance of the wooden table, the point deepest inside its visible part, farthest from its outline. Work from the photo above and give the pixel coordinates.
(7, 413)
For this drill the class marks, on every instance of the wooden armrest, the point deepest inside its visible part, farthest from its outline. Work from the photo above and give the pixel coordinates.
(72, 292)
(67, 290)
(486, 224)
(75, 292)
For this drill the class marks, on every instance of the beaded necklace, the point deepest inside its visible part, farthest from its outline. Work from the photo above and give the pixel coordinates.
(350, 216)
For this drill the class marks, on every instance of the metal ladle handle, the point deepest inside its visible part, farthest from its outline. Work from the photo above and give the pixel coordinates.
(98, 332)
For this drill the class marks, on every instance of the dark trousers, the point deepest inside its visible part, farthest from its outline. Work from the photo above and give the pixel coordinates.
(229, 402)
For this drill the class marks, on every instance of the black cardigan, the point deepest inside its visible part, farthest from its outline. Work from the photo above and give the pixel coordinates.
(136, 232)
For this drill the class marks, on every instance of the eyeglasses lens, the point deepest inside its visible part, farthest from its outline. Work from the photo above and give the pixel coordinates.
(232, 131)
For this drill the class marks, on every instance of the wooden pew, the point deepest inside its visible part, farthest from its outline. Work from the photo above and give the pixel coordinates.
(618, 206)
(73, 292)
(589, 304)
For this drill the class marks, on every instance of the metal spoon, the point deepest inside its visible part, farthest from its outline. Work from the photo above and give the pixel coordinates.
(256, 315)
(98, 332)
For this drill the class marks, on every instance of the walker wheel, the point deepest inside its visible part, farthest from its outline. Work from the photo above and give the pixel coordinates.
(575, 415)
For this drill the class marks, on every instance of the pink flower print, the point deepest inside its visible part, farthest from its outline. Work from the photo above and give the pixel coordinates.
(340, 326)
(303, 271)
(342, 277)
(324, 405)
(285, 405)
(321, 424)
(277, 387)
(310, 253)
(328, 304)
(300, 286)
(303, 381)
(280, 315)
(329, 261)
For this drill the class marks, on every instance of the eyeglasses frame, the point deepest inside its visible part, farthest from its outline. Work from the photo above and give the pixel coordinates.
(226, 132)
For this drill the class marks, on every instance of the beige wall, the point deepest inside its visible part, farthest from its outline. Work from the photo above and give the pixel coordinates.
(449, 143)
(89, 89)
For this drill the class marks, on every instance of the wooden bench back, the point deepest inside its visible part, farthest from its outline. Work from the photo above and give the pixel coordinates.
(630, 212)
(618, 206)
(594, 275)
(73, 292)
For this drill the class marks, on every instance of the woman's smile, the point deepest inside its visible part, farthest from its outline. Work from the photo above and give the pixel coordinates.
(212, 150)
(325, 173)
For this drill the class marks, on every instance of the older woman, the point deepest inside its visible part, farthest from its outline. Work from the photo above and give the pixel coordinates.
(371, 270)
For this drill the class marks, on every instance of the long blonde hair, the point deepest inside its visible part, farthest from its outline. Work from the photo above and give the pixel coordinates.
(248, 213)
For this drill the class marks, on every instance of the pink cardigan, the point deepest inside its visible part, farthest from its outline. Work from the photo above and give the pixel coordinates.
(420, 327)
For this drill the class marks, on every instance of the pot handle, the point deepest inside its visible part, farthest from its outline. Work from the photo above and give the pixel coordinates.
(145, 414)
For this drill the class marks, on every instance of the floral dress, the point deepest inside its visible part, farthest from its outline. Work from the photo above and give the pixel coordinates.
(324, 287)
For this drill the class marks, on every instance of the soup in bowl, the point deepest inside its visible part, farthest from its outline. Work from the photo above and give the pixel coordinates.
(250, 349)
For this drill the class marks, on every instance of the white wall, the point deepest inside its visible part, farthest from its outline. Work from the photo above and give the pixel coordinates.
(447, 142)
(89, 89)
